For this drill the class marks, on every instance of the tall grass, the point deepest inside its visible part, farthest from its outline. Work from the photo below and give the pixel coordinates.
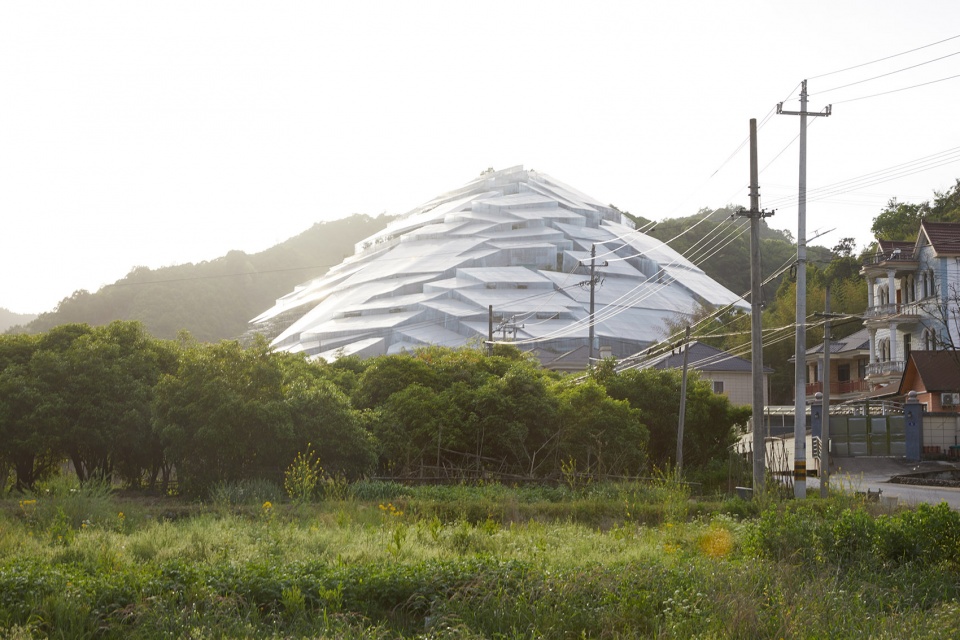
(485, 562)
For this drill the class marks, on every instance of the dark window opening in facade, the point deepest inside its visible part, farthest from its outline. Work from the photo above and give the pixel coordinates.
(843, 373)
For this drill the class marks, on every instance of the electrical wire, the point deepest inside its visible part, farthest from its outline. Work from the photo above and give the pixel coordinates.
(864, 64)
(889, 73)
(884, 93)
(888, 174)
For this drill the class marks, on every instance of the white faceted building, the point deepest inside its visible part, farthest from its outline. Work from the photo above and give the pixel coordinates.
(515, 240)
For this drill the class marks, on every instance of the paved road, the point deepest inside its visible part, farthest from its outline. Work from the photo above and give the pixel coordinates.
(873, 474)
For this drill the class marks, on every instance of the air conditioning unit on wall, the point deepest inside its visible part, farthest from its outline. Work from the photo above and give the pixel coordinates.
(949, 399)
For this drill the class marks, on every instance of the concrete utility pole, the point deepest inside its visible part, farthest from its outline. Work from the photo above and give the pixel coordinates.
(593, 286)
(756, 327)
(683, 402)
(800, 391)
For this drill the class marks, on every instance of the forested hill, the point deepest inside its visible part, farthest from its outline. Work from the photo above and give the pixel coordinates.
(9, 318)
(720, 245)
(215, 299)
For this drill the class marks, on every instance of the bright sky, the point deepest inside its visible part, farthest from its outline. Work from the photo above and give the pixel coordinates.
(136, 133)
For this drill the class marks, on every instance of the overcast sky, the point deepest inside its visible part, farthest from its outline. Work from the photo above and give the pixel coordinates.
(135, 133)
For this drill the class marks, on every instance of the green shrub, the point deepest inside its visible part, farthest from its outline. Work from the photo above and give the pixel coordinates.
(376, 490)
(248, 493)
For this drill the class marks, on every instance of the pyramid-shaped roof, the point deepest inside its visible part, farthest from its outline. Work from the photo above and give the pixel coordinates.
(516, 241)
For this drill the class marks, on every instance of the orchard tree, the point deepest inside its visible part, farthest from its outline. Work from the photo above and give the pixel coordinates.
(221, 416)
(386, 375)
(24, 443)
(107, 378)
(602, 435)
(231, 413)
(709, 422)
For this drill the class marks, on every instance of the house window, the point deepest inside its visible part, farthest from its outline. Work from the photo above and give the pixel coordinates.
(843, 373)
(718, 386)
(907, 343)
(861, 369)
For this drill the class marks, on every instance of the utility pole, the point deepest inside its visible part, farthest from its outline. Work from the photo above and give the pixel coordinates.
(593, 286)
(825, 429)
(800, 391)
(490, 329)
(756, 327)
(683, 402)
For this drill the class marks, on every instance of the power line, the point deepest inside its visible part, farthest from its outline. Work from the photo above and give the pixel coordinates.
(901, 170)
(864, 64)
(915, 86)
(890, 73)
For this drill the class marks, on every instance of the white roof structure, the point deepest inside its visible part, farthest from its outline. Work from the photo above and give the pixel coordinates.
(516, 240)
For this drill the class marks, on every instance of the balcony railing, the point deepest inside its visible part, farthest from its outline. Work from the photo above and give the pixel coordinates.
(887, 368)
(890, 256)
(904, 309)
(839, 388)
(881, 310)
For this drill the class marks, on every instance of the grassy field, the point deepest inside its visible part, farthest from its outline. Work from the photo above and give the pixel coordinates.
(379, 560)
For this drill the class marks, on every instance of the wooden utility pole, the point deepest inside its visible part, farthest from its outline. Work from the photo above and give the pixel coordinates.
(490, 329)
(683, 402)
(825, 429)
(800, 368)
(756, 326)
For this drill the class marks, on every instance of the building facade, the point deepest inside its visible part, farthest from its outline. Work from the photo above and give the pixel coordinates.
(912, 295)
(508, 255)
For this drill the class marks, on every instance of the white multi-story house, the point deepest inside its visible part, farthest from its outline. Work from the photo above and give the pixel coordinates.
(912, 295)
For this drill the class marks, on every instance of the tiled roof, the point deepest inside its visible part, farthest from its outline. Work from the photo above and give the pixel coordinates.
(888, 246)
(859, 341)
(703, 357)
(938, 370)
(943, 236)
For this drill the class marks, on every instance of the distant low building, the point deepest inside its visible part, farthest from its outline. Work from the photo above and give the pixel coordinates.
(849, 358)
(730, 375)
(935, 376)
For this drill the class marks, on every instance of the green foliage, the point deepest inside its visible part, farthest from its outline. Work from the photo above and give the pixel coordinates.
(419, 576)
(231, 413)
(602, 435)
(709, 419)
(847, 536)
(901, 220)
(81, 393)
(252, 492)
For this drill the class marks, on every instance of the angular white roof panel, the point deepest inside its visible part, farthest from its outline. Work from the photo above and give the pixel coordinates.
(514, 240)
